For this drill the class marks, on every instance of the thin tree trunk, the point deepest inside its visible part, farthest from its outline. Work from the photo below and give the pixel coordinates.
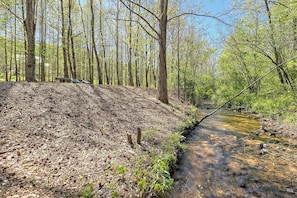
(25, 36)
(11, 53)
(136, 62)
(64, 45)
(5, 51)
(130, 76)
(42, 41)
(147, 68)
(72, 59)
(57, 49)
(294, 28)
(119, 81)
(15, 45)
(102, 43)
(90, 76)
(178, 59)
(94, 43)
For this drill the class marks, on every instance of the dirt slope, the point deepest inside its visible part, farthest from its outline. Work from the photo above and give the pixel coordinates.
(57, 138)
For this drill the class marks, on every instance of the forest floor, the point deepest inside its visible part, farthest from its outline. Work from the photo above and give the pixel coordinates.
(70, 140)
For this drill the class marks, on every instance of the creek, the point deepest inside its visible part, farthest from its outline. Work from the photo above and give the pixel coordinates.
(225, 158)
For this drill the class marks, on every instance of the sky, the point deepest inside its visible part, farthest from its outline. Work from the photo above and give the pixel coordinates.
(216, 8)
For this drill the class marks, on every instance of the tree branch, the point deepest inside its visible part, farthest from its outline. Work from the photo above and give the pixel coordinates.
(11, 12)
(153, 14)
(153, 29)
(199, 15)
(261, 51)
(141, 27)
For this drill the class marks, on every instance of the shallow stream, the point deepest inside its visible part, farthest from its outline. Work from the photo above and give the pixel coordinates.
(225, 158)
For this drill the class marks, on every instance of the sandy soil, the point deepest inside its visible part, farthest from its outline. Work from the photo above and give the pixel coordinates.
(55, 139)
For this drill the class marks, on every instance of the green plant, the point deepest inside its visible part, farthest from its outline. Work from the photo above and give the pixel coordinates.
(113, 189)
(142, 184)
(162, 181)
(33, 181)
(87, 191)
(148, 135)
(121, 170)
(114, 194)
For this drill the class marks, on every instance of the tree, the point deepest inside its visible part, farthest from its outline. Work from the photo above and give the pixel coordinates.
(30, 26)
(70, 43)
(118, 72)
(94, 43)
(42, 42)
(103, 44)
(162, 82)
(64, 44)
(161, 37)
(282, 74)
(130, 76)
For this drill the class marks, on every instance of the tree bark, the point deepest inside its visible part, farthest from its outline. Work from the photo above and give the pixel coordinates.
(42, 41)
(130, 76)
(178, 59)
(15, 44)
(103, 45)
(5, 51)
(64, 45)
(94, 43)
(30, 32)
(162, 82)
(119, 81)
(72, 59)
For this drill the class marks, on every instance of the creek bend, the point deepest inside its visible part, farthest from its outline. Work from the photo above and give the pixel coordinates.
(223, 158)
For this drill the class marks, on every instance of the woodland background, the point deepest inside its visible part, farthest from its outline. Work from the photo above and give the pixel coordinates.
(113, 43)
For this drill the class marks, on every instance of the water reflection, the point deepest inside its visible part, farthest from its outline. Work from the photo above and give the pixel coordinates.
(222, 160)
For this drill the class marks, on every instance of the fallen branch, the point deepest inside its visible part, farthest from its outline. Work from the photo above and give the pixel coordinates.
(250, 85)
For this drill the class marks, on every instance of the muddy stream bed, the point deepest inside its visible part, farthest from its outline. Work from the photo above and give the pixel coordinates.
(224, 157)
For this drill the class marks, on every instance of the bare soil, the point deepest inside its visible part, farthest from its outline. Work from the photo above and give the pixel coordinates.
(55, 138)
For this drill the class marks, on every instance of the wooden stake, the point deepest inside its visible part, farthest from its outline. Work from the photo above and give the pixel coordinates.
(138, 136)
(130, 139)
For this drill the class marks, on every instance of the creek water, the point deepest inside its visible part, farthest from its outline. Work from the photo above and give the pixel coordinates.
(224, 158)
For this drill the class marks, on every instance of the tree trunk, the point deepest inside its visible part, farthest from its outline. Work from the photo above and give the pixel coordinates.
(42, 41)
(103, 45)
(72, 59)
(94, 43)
(11, 54)
(64, 45)
(15, 44)
(118, 72)
(136, 62)
(147, 67)
(25, 36)
(178, 59)
(130, 76)
(162, 82)
(5, 51)
(282, 74)
(30, 32)
(295, 32)
(57, 48)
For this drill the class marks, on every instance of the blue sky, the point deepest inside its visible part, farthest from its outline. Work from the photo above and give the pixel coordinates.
(216, 8)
